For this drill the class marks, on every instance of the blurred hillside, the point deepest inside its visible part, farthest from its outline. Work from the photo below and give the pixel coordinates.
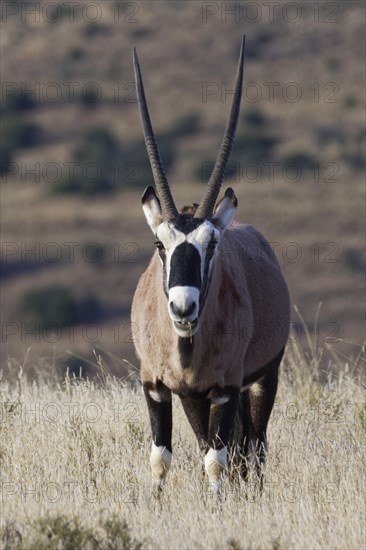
(73, 163)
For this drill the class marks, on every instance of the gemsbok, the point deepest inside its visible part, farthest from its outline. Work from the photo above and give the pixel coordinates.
(212, 316)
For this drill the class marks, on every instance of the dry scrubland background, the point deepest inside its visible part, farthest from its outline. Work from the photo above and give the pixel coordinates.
(307, 141)
(73, 454)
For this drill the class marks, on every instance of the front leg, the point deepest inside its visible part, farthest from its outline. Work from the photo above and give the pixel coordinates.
(224, 404)
(197, 411)
(159, 404)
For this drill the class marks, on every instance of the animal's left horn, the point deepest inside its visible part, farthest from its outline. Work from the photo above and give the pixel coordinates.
(206, 208)
(169, 210)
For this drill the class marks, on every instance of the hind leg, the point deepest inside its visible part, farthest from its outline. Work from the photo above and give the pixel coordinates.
(244, 436)
(260, 399)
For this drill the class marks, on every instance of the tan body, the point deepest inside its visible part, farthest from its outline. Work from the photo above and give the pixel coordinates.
(211, 316)
(243, 325)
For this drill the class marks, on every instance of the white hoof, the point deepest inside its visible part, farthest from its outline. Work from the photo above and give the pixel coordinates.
(160, 460)
(215, 467)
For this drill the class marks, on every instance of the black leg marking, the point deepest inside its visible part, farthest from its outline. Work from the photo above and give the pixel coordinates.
(222, 418)
(223, 409)
(197, 411)
(261, 397)
(159, 403)
(160, 413)
(242, 434)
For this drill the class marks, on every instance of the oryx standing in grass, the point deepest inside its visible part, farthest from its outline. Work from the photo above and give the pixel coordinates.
(212, 313)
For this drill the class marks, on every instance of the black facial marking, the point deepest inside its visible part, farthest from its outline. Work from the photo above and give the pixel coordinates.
(185, 266)
(163, 259)
(186, 225)
(209, 254)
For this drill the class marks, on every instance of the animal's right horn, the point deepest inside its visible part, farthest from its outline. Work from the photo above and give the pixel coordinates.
(207, 205)
(168, 208)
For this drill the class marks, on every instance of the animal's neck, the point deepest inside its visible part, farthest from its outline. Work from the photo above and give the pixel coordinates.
(185, 350)
(189, 347)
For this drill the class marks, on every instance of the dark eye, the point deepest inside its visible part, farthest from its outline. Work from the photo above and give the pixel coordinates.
(159, 245)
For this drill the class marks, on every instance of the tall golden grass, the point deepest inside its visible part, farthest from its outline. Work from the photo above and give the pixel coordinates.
(74, 467)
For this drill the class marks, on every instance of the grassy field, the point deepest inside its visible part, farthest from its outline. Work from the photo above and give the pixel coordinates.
(74, 467)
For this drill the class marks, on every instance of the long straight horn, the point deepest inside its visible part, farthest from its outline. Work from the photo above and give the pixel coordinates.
(206, 208)
(168, 208)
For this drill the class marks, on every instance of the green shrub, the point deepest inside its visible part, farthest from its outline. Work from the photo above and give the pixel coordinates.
(19, 101)
(254, 117)
(96, 157)
(356, 160)
(76, 365)
(56, 304)
(302, 160)
(350, 101)
(76, 53)
(63, 533)
(6, 157)
(90, 98)
(258, 45)
(353, 151)
(334, 64)
(119, 536)
(250, 146)
(168, 141)
(17, 133)
(50, 305)
(10, 536)
(96, 29)
(184, 126)
(142, 32)
(120, 165)
(354, 260)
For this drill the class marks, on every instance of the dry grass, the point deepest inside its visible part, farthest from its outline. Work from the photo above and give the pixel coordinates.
(75, 473)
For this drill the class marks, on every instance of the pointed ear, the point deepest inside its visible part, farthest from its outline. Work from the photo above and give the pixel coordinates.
(151, 208)
(225, 210)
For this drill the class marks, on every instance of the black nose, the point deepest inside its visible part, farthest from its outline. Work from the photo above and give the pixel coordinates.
(182, 313)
